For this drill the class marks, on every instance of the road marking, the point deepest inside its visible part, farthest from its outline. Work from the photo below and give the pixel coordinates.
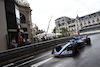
(31, 60)
(8, 65)
(42, 62)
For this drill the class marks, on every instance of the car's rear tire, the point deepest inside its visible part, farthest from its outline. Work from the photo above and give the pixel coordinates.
(87, 41)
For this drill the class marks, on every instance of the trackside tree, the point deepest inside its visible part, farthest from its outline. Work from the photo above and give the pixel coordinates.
(64, 32)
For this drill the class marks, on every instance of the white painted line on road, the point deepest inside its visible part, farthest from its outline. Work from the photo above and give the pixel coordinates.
(31, 60)
(8, 65)
(40, 63)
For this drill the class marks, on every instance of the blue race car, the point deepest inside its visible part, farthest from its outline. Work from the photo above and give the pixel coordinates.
(72, 46)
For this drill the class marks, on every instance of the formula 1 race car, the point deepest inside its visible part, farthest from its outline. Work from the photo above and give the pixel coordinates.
(72, 46)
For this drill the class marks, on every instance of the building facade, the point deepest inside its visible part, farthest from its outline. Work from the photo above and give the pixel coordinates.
(25, 19)
(62, 22)
(9, 23)
(3, 27)
(15, 21)
(83, 25)
(90, 23)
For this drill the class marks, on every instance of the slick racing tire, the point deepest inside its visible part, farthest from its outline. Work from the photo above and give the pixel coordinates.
(58, 48)
(75, 49)
(52, 51)
(88, 40)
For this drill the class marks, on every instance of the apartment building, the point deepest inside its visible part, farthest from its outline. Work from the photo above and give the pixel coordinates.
(87, 23)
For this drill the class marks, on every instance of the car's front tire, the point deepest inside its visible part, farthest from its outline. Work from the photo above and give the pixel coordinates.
(88, 40)
(58, 48)
(52, 51)
(75, 49)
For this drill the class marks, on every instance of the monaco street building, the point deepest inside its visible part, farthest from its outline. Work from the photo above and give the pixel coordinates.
(15, 21)
(25, 19)
(62, 22)
(80, 25)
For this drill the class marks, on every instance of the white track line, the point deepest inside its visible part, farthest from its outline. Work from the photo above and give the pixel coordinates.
(8, 65)
(42, 62)
(32, 60)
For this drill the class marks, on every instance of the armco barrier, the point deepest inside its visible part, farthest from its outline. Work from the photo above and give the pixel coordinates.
(16, 54)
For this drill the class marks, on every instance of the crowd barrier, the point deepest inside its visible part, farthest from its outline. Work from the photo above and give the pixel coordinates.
(16, 54)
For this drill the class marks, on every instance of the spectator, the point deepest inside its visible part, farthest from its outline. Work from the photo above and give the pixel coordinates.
(40, 39)
(52, 38)
(13, 42)
(20, 40)
(43, 39)
(28, 41)
(36, 40)
(24, 41)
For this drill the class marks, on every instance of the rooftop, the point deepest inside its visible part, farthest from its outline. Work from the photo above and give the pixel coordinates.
(23, 2)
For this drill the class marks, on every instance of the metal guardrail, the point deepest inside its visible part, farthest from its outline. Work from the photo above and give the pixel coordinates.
(16, 54)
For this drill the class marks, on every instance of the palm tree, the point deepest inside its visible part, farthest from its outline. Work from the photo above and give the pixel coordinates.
(64, 31)
(54, 30)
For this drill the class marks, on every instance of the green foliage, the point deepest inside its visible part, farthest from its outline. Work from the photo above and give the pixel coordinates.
(64, 32)
(54, 30)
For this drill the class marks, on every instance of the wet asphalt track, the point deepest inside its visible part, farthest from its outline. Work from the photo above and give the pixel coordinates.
(89, 56)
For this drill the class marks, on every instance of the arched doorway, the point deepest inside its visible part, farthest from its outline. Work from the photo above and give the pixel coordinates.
(22, 18)
(23, 21)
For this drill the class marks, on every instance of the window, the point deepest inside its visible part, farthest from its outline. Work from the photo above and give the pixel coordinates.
(69, 19)
(89, 22)
(22, 18)
(72, 26)
(77, 24)
(86, 18)
(62, 23)
(59, 24)
(94, 15)
(92, 25)
(62, 20)
(84, 23)
(93, 21)
(81, 24)
(17, 14)
(68, 22)
(98, 20)
(72, 21)
(25, 29)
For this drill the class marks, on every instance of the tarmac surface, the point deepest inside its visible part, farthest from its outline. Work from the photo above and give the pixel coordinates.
(89, 56)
